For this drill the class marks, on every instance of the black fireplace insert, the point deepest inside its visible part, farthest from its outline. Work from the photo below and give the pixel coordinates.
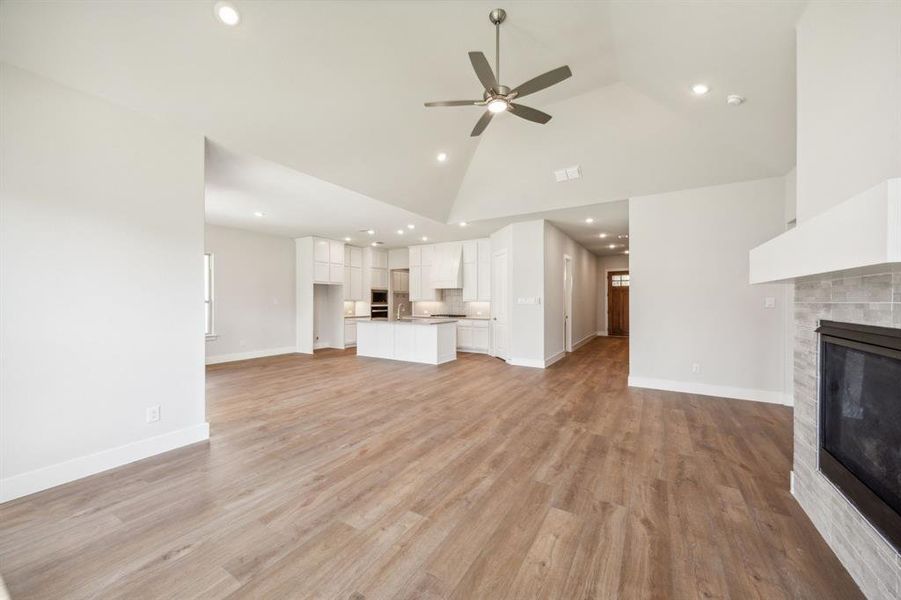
(860, 419)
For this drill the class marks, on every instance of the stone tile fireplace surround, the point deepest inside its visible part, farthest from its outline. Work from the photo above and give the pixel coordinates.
(871, 297)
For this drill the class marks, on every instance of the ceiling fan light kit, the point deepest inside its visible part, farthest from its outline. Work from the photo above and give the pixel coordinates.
(497, 98)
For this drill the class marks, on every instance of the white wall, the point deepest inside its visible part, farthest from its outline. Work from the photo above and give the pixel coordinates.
(253, 294)
(849, 101)
(584, 294)
(101, 260)
(527, 320)
(607, 263)
(690, 298)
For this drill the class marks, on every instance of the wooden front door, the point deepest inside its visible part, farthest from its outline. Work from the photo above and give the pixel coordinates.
(618, 303)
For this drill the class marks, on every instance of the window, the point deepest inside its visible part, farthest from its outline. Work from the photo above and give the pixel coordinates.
(621, 280)
(208, 291)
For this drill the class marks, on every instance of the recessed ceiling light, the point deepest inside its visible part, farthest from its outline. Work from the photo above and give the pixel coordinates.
(259, 214)
(347, 239)
(497, 105)
(375, 244)
(442, 156)
(411, 226)
(370, 231)
(462, 223)
(400, 232)
(589, 220)
(734, 99)
(602, 235)
(425, 238)
(227, 13)
(612, 246)
(623, 236)
(699, 89)
(625, 251)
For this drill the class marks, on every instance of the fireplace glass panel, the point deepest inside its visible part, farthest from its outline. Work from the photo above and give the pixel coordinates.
(861, 417)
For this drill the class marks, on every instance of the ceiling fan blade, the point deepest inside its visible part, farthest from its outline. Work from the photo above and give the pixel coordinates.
(454, 103)
(483, 70)
(482, 123)
(529, 114)
(545, 80)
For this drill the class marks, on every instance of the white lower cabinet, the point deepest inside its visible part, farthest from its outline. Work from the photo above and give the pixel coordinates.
(473, 335)
(350, 332)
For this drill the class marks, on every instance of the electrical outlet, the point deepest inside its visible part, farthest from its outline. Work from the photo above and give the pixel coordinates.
(769, 302)
(153, 413)
(695, 367)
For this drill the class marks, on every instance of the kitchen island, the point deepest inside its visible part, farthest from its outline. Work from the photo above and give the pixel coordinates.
(429, 341)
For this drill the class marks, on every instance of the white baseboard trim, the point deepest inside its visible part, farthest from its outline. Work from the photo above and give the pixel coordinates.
(535, 363)
(584, 341)
(76, 468)
(224, 358)
(555, 358)
(603, 333)
(705, 389)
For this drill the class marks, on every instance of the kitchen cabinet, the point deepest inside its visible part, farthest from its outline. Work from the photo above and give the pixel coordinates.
(398, 258)
(328, 261)
(473, 335)
(421, 286)
(353, 273)
(375, 270)
(400, 282)
(350, 332)
(477, 270)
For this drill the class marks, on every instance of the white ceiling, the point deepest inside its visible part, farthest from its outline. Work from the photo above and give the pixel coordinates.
(295, 205)
(335, 90)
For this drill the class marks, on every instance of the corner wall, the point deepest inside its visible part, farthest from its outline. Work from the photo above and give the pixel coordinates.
(253, 296)
(690, 300)
(101, 276)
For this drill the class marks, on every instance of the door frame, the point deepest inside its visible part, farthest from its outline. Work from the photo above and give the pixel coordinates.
(607, 294)
(568, 287)
(494, 304)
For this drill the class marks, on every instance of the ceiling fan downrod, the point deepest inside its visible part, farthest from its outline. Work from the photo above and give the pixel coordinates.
(497, 17)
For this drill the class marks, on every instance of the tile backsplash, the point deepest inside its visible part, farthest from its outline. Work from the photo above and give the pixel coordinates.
(451, 302)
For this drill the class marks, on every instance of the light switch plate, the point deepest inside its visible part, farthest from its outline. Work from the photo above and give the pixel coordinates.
(574, 172)
(560, 175)
(769, 302)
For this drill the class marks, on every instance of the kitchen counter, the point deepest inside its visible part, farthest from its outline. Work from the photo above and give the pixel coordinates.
(429, 341)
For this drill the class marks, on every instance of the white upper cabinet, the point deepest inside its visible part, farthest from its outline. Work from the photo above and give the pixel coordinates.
(356, 256)
(398, 258)
(421, 286)
(375, 269)
(415, 256)
(328, 261)
(446, 265)
(336, 252)
(321, 250)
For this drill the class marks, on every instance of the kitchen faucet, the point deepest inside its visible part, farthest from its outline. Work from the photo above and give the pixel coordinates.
(400, 309)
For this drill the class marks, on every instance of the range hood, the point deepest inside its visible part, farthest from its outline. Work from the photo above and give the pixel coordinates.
(447, 272)
(864, 231)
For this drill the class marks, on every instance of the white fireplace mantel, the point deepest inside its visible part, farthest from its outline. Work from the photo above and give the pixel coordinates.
(863, 231)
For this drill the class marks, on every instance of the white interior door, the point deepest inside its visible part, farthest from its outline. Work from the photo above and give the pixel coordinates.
(567, 303)
(500, 323)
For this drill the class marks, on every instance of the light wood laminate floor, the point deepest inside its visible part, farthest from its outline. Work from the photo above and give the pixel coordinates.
(341, 477)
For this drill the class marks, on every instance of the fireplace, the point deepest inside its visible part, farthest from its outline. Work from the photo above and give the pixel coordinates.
(860, 419)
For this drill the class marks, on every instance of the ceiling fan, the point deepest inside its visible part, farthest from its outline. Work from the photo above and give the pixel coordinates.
(499, 98)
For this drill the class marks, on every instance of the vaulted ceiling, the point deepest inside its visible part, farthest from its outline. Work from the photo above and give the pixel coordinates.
(335, 90)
